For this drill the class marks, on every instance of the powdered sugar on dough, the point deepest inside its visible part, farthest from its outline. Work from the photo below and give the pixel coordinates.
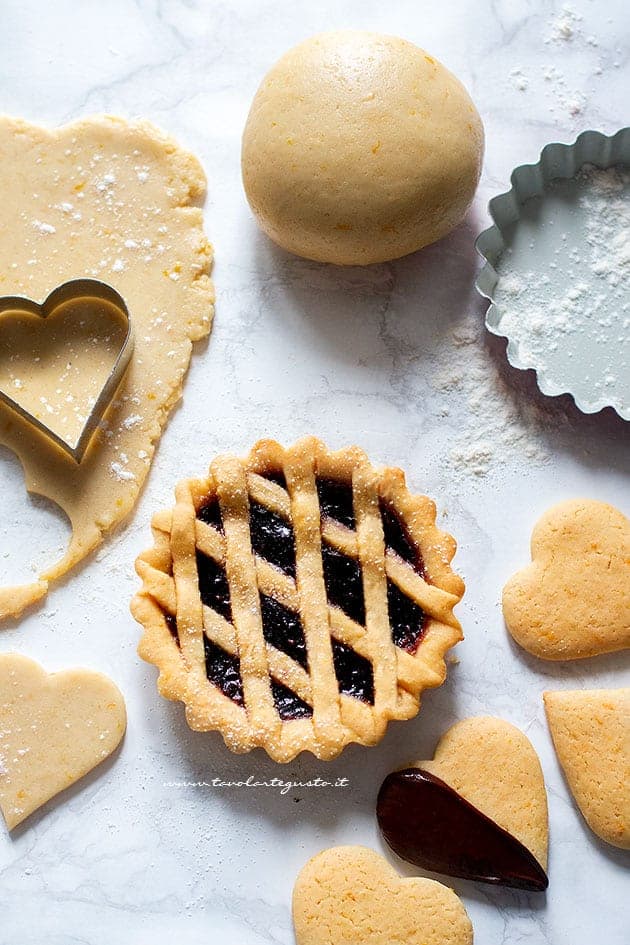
(106, 199)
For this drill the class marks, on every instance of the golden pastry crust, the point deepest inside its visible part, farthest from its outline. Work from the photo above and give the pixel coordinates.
(352, 896)
(573, 600)
(113, 200)
(591, 736)
(359, 148)
(171, 592)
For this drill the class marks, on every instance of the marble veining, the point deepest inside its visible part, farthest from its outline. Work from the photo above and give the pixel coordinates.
(394, 358)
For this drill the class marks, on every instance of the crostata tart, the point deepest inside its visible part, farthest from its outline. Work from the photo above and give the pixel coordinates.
(297, 599)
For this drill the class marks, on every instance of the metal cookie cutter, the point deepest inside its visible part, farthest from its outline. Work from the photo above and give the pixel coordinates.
(75, 290)
(576, 340)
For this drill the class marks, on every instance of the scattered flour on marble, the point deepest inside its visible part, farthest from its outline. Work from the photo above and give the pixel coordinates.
(561, 97)
(573, 323)
(519, 79)
(564, 26)
(566, 91)
(570, 100)
(494, 428)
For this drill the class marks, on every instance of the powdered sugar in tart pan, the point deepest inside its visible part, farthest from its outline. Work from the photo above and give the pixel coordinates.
(557, 270)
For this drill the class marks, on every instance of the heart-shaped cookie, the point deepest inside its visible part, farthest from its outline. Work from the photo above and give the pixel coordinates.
(477, 810)
(573, 600)
(591, 735)
(352, 896)
(54, 728)
(62, 361)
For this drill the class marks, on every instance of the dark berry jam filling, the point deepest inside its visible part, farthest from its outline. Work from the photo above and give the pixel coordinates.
(407, 620)
(272, 537)
(277, 476)
(224, 670)
(344, 582)
(210, 513)
(289, 705)
(171, 623)
(335, 501)
(398, 538)
(214, 589)
(354, 673)
(283, 629)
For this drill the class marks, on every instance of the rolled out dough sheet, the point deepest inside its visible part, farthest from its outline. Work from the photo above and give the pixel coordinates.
(110, 200)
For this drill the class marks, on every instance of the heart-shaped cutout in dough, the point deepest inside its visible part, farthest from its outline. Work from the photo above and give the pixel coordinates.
(352, 896)
(573, 600)
(591, 735)
(108, 199)
(54, 728)
(62, 361)
(478, 809)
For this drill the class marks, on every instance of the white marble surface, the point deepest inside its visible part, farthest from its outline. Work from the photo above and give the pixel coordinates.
(392, 357)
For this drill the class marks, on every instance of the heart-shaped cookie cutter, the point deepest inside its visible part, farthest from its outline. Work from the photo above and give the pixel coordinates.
(72, 291)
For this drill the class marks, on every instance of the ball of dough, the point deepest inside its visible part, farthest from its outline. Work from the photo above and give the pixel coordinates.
(360, 148)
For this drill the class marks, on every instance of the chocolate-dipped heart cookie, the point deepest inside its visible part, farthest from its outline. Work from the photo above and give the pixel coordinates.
(477, 810)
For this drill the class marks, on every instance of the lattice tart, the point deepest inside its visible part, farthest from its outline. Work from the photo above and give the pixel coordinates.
(298, 599)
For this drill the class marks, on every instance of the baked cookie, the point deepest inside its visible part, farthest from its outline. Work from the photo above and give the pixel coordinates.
(107, 199)
(352, 896)
(477, 810)
(573, 600)
(591, 735)
(53, 730)
(298, 599)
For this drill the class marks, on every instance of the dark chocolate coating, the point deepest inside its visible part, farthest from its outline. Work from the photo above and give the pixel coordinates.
(429, 824)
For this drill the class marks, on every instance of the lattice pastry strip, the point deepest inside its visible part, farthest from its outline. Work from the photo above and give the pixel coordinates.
(298, 599)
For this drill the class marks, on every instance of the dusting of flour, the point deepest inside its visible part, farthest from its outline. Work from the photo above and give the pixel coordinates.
(494, 428)
(563, 292)
(578, 61)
